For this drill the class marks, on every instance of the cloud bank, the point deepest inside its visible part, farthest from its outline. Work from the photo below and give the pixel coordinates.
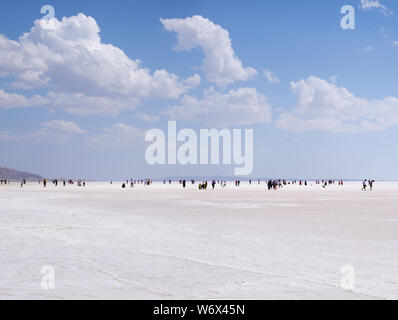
(237, 107)
(82, 74)
(323, 106)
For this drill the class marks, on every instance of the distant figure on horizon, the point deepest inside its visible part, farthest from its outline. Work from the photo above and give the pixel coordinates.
(364, 185)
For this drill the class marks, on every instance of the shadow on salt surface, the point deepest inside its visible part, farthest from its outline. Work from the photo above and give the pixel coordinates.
(233, 205)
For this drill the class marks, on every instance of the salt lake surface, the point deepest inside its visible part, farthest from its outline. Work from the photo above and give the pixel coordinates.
(165, 242)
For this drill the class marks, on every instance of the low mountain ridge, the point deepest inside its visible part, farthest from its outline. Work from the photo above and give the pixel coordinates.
(15, 175)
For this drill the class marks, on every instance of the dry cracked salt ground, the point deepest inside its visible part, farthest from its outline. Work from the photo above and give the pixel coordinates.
(163, 242)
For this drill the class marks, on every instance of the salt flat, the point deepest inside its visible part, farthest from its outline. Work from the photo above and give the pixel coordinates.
(164, 242)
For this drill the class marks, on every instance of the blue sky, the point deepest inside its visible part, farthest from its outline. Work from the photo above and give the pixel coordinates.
(75, 102)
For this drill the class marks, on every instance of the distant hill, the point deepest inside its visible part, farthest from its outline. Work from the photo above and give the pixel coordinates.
(15, 175)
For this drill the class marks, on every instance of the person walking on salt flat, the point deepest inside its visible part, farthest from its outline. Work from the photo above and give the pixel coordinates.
(364, 185)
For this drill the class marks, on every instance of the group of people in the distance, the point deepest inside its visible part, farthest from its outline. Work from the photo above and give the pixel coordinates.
(146, 182)
(272, 184)
(79, 182)
(203, 186)
(275, 184)
(326, 183)
(280, 183)
(367, 183)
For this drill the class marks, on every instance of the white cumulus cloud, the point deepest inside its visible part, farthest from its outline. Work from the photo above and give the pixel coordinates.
(146, 117)
(220, 65)
(237, 107)
(55, 131)
(12, 100)
(271, 76)
(69, 59)
(62, 126)
(323, 106)
(117, 135)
